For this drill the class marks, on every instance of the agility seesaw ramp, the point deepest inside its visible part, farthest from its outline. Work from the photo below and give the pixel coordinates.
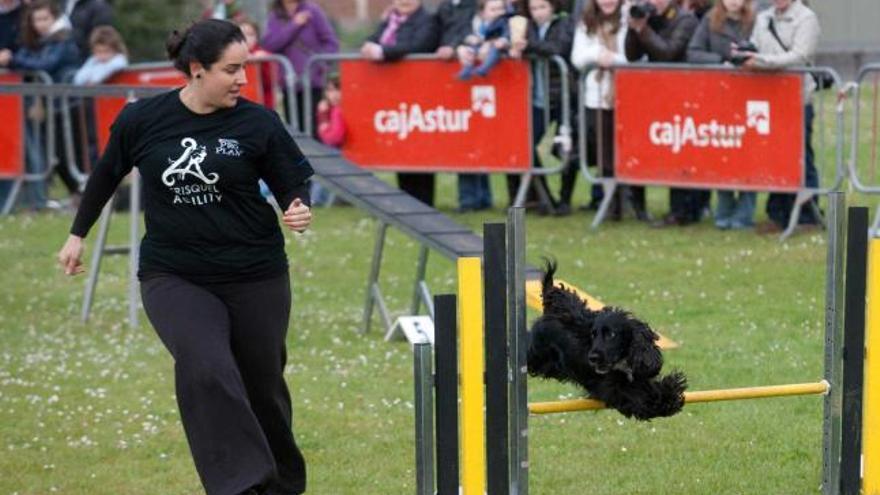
(431, 228)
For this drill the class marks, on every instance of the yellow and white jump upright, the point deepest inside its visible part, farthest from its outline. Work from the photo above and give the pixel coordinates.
(871, 417)
(473, 429)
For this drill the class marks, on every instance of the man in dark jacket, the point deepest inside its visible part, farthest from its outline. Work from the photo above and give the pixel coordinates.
(10, 19)
(408, 28)
(86, 15)
(454, 20)
(663, 36)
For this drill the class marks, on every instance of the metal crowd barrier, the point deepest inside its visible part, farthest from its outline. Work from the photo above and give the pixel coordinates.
(871, 183)
(803, 195)
(563, 131)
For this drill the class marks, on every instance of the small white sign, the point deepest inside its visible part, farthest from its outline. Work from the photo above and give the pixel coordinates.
(416, 329)
(758, 116)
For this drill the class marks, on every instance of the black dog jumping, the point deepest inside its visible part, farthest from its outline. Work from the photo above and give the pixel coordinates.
(609, 353)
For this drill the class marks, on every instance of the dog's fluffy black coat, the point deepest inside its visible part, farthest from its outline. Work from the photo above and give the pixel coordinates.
(609, 353)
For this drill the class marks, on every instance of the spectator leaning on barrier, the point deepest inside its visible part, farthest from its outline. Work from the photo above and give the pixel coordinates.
(599, 44)
(10, 20)
(268, 71)
(454, 18)
(298, 29)
(46, 42)
(661, 30)
(85, 16)
(548, 34)
(727, 25)
(482, 48)
(407, 28)
(786, 35)
(331, 131)
(46, 46)
(455, 22)
(108, 56)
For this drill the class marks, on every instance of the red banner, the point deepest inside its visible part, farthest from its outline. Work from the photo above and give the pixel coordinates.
(108, 107)
(416, 115)
(12, 137)
(709, 129)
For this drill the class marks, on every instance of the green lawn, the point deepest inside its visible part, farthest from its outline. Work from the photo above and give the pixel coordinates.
(89, 409)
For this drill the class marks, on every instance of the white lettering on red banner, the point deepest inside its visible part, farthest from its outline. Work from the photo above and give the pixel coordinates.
(409, 118)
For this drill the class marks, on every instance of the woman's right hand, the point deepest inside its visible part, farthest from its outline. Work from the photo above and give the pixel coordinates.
(301, 18)
(606, 58)
(70, 256)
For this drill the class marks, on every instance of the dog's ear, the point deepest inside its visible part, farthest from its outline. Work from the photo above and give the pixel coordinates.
(644, 355)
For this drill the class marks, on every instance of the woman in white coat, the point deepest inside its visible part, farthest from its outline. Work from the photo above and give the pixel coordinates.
(598, 46)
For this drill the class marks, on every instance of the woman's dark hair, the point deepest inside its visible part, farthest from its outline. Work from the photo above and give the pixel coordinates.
(718, 15)
(280, 11)
(203, 42)
(29, 36)
(594, 17)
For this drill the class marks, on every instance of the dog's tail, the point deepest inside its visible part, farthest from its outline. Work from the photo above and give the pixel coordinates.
(549, 270)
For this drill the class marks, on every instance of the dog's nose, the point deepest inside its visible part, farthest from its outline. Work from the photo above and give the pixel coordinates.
(592, 359)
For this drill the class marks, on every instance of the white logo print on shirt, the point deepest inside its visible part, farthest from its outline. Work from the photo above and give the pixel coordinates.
(193, 166)
(189, 163)
(228, 147)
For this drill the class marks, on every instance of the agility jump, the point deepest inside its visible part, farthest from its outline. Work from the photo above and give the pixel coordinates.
(494, 413)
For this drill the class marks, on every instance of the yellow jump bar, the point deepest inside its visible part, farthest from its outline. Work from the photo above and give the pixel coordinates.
(691, 397)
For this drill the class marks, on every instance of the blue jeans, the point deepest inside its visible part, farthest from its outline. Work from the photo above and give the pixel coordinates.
(34, 192)
(5, 188)
(474, 192)
(779, 205)
(492, 59)
(736, 209)
(320, 195)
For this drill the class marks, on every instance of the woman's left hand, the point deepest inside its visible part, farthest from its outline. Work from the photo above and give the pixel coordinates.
(298, 216)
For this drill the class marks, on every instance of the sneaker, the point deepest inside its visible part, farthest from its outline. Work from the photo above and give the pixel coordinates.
(740, 225)
(768, 227)
(669, 220)
(723, 223)
(563, 210)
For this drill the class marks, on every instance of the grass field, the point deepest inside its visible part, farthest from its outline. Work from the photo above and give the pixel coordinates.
(89, 409)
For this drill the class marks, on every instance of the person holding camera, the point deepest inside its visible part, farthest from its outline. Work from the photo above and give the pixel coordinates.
(786, 35)
(726, 28)
(661, 30)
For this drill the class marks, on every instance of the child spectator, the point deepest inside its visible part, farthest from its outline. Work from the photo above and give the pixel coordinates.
(109, 55)
(331, 131)
(47, 45)
(488, 41)
(548, 34)
(267, 69)
(599, 44)
(728, 23)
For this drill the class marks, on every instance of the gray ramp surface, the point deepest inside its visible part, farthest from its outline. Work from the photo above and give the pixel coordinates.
(391, 205)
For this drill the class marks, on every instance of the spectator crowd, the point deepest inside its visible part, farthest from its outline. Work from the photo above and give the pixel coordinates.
(74, 41)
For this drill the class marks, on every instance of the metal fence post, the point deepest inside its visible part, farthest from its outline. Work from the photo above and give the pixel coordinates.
(424, 422)
(833, 344)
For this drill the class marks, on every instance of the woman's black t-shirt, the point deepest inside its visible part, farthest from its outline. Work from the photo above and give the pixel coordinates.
(206, 220)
